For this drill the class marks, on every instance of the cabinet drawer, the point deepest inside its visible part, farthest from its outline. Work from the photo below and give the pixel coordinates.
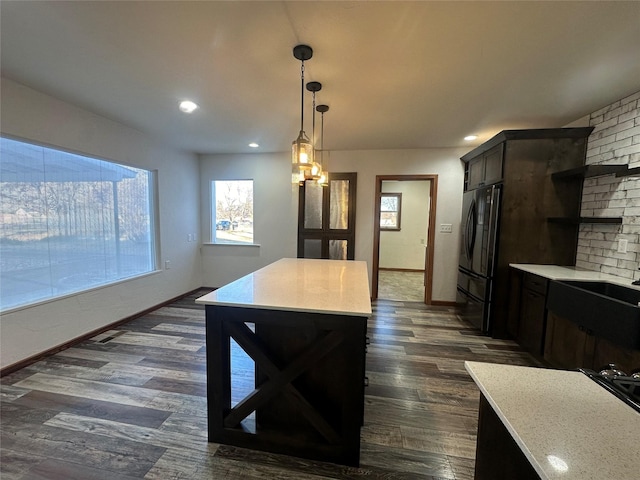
(535, 282)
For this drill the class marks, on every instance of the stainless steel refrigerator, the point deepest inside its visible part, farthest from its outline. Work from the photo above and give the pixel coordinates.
(478, 254)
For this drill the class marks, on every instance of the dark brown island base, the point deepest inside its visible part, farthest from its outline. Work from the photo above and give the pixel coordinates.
(303, 322)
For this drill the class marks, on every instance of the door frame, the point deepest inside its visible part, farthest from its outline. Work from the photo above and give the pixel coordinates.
(431, 234)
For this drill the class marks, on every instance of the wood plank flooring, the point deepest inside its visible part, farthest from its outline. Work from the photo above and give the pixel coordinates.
(131, 404)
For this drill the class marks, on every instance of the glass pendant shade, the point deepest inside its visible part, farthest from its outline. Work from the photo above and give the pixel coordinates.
(302, 152)
(323, 176)
(314, 172)
(324, 179)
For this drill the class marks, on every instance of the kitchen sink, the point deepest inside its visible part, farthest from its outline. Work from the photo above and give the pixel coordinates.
(604, 309)
(610, 290)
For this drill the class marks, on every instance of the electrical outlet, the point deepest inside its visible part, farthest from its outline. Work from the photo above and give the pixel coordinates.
(622, 245)
(446, 228)
(167, 264)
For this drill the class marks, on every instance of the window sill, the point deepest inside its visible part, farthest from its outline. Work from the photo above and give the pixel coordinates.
(77, 293)
(208, 244)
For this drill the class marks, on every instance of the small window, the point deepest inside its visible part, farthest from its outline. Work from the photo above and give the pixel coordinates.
(232, 211)
(390, 204)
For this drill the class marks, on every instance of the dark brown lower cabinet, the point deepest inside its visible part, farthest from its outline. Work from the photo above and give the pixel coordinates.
(531, 327)
(498, 456)
(605, 352)
(570, 346)
(566, 345)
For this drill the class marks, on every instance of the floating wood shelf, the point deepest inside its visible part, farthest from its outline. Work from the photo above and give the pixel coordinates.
(631, 172)
(579, 220)
(587, 171)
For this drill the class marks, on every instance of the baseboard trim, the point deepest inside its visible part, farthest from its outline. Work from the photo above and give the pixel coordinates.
(442, 303)
(401, 270)
(52, 351)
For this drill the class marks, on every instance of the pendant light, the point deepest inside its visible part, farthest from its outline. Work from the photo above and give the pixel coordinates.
(302, 148)
(315, 171)
(324, 176)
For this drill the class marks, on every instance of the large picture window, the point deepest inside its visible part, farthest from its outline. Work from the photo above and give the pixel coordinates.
(70, 223)
(233, 211)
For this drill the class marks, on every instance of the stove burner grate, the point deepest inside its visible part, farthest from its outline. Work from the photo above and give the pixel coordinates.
(625, 388)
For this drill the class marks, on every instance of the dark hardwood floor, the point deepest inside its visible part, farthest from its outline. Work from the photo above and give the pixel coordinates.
(131, 403)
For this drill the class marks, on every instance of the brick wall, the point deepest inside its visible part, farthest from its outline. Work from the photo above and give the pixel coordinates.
(614, 140)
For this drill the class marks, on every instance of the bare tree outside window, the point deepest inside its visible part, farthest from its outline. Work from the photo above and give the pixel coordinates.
(233, 211)
(390, 206)
(69, 223)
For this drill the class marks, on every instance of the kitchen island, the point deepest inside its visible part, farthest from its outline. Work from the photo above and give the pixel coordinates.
(551, 424)
(303, 322)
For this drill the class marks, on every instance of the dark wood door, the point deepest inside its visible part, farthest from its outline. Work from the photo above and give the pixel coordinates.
(327, 218)
(567, 345)
(476, 173)
(493, 165)
(532, 320)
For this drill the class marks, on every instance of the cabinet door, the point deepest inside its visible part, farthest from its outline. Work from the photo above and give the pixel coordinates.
(493, 165)
(515, 294)
(476, 173)
(606, 352)
(485, 169)
(566, 345)
(532, 321)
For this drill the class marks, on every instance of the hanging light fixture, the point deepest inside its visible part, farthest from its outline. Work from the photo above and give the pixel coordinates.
(324, 176)
(315, 171)
(301, 148)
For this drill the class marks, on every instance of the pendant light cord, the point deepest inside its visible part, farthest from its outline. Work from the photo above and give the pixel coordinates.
(302, 97)
(321, 138)
(313, 121)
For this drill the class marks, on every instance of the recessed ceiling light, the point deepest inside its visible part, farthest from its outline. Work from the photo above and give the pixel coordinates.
(468, 138)
(187, 106)
(254, 145)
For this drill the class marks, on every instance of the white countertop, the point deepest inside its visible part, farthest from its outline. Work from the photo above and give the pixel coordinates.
(297, 284)
(563, 418)
(557, 272)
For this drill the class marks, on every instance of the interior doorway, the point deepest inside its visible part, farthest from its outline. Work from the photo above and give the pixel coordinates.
(404, 234)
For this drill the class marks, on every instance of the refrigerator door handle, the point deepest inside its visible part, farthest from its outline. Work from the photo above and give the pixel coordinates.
(470, 230)
(493, 228)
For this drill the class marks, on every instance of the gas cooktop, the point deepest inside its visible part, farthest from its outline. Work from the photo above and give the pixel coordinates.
(625, 387)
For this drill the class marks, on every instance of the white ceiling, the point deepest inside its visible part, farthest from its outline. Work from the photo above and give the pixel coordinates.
(395, 74)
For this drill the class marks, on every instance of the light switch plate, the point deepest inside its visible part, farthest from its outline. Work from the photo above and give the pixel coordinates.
(446, 228)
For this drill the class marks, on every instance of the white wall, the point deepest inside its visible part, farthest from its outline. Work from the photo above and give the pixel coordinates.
(33, 116)
(275, 204)
(443, 162)
(614, 140)
(406, 248)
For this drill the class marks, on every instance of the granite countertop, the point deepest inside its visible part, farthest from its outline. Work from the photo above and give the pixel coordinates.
(567, 426)
(297, 284)
(557, 272)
